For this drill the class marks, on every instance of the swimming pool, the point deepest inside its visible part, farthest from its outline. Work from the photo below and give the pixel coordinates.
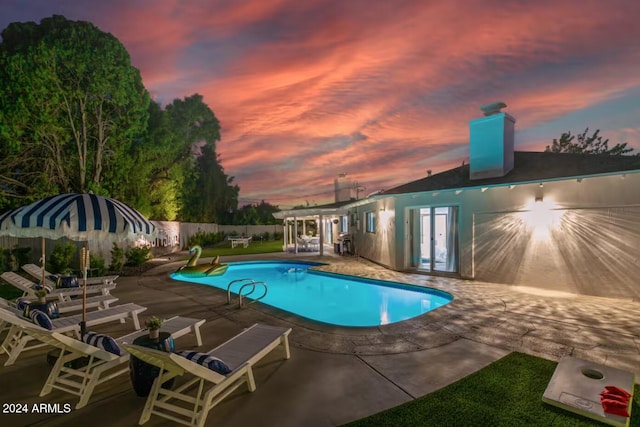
(327, 297)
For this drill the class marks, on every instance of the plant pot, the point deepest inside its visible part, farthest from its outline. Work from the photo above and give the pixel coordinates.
(42, 300)
(154, 334)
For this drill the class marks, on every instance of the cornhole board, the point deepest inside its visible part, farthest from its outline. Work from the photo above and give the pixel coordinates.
(576, 385)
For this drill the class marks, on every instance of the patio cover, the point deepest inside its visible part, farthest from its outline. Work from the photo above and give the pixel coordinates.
(318, 213)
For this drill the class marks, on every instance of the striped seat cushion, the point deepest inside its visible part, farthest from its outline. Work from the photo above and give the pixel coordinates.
(102, 341)
(207, 361)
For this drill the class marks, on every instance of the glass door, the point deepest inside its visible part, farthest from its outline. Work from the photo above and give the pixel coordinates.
(434, 238)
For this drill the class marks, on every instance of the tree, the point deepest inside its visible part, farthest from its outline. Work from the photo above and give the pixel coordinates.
(75, 116)
(71, 106)
(593, 144)
(206, 193)
(258, 214)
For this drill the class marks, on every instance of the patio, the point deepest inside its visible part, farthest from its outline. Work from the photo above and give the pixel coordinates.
(337, 375)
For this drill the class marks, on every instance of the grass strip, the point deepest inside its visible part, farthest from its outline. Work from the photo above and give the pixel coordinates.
(506, 393)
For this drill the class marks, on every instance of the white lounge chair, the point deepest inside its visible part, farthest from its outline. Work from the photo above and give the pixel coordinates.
(99, 301)
(16, 340)
(239, 353)
(63, 294)
(36, 272)
(102, 365)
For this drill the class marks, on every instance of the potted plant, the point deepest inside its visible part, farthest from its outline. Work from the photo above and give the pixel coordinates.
(42, 296)
(153, 324)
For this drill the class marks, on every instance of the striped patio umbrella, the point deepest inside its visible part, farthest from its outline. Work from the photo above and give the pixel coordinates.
(79, 217)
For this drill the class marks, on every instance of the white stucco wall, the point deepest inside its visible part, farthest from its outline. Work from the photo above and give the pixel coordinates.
(591, 233)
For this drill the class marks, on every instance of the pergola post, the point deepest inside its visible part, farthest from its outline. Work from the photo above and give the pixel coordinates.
(295, 235)
(285, 235)
(321, 232)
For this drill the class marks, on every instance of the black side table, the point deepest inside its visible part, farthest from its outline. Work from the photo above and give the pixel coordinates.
(143, 374)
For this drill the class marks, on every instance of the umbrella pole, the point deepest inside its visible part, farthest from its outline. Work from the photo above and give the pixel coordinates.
(43, 262)
(84, 265)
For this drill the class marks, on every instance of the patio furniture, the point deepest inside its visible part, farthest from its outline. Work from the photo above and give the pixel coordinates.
(98, 301)
(143, 374)
(314, 244)
(239, 353)
(16, 340)
(36, 272)
(102, 365)
(63, 294)
(303, 243)
(236, 241)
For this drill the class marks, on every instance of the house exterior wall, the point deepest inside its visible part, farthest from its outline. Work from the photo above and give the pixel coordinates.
(581, 237)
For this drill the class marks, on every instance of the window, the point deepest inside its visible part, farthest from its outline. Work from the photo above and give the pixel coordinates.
(371, 222)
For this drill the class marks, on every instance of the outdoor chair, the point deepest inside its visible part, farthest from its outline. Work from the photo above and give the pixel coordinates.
(99, 301)
(80, 379)
(36, 272)
(314, 244)
(63, 294)
(303, 244)
(15, 342)
(240, 354)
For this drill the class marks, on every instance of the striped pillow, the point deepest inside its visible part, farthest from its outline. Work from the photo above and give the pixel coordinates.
(40, 318)
(102, 341)
(22, 303)
(206, 360)
(45, 287)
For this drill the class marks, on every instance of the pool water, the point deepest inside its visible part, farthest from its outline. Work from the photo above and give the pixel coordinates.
(326, 297)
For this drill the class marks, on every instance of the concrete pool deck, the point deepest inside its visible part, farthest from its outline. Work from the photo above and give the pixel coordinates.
(337, 375)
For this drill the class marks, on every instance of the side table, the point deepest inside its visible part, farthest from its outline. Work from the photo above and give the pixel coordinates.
(143, 374)
(50, 308)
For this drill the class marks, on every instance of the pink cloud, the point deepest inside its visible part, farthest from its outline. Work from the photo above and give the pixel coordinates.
(380, 90)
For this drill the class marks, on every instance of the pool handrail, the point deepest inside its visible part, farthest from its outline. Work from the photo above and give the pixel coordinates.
(249, 293)
(236, 281)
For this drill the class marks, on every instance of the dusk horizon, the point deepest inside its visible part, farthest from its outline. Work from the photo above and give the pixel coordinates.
(381, 92)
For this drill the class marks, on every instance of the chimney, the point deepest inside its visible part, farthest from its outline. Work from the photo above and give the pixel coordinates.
(491, 141)
(343, 188)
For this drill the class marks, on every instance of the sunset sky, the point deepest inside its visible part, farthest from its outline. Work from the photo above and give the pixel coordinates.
(381, 90)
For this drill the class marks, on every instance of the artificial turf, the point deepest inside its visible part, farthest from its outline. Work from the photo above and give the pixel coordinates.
(506, 393)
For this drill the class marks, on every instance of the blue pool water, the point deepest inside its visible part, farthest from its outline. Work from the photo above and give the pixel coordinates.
(330, 298)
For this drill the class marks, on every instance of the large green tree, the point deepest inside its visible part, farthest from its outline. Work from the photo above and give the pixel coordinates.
(593, 144)
(75, 116)
(258, 214)
(178, 157)
(71, 107)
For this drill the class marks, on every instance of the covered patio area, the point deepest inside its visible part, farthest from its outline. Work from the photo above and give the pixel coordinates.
(314, 229)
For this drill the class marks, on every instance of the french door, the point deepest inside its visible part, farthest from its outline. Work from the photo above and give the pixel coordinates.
(434, 238)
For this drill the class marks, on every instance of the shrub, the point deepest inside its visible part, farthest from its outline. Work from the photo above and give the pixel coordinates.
(117, 258)
(205, 239)
(61, 257)
(97, 263)
(266, 235)
(12, 259)
(138, 256)
(277, 235)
